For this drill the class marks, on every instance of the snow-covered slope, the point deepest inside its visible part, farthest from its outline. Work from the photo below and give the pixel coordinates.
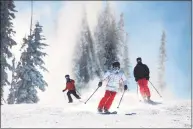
(170, 114)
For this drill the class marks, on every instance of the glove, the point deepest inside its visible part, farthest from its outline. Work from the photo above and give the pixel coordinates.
(125, 87)
(63, 90)
(147, 78)
(100, 84)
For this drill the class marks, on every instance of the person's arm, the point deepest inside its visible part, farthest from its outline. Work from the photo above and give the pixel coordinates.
(65, 89)
(135, 73)
(104, 78)
(147, 72)
(123, 77)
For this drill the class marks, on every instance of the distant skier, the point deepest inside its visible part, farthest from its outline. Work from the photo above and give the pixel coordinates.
(114, 78)
(141, 74)
(70, 86)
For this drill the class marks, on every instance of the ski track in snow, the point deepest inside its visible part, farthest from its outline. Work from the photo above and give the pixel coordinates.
(170, 114)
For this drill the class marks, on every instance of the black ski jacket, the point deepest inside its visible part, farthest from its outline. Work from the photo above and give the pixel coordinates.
(141, 71)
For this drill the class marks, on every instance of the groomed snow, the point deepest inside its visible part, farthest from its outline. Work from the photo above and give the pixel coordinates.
(168, 114)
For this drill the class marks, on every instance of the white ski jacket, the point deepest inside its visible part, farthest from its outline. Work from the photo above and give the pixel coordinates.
(114, 80)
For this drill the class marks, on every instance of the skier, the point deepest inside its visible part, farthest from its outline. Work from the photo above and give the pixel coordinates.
(114, 78)
(141, 74)
(71, 88)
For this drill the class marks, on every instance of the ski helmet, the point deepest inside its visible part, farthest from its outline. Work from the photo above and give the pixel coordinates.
(139, 59)
(67, 76)
(116, 64)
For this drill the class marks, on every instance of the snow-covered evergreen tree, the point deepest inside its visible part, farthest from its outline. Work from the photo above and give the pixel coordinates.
(94, 56)
(28, 72)
(7, 15)
(84, 61)
(123, 46)
(162, 60)
(106, 39)
(121, 33)
(126, 61)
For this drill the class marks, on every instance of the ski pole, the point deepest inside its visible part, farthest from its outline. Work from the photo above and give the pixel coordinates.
(121, 99)
(137, 89)
(91, 95)
(155, 89)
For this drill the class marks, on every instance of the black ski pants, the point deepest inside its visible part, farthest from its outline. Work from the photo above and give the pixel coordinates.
(74, 93)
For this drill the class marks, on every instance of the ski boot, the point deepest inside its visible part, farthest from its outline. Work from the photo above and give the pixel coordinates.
(100, 110)
(78, 97)
(149, 100)
(106, 111)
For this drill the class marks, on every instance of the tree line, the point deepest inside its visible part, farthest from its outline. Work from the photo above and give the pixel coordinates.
(93, 55)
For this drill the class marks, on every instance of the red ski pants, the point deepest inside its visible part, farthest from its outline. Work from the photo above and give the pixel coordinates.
(144, 90)
(107, 100)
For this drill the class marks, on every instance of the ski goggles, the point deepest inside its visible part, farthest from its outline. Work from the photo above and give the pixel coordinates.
(67, 77)
(116, 68)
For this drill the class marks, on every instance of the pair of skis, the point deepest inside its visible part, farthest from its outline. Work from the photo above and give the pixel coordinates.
(151, 102)
(108, 113)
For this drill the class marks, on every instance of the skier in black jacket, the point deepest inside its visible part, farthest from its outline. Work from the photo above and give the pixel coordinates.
(141, 74)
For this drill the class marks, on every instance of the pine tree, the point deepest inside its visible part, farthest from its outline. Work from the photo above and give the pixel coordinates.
(28, 75)
(162, 60)
(84, 68)
(121, 37)
(92, 54)
(7, 15)
(123, 46)
(126, 60)
(106, 39)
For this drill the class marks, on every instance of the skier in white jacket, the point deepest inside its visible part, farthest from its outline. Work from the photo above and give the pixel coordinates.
(114, 78)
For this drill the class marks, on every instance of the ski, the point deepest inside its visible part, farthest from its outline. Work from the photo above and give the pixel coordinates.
(151, 102)
(130, 113)
(109, 113)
